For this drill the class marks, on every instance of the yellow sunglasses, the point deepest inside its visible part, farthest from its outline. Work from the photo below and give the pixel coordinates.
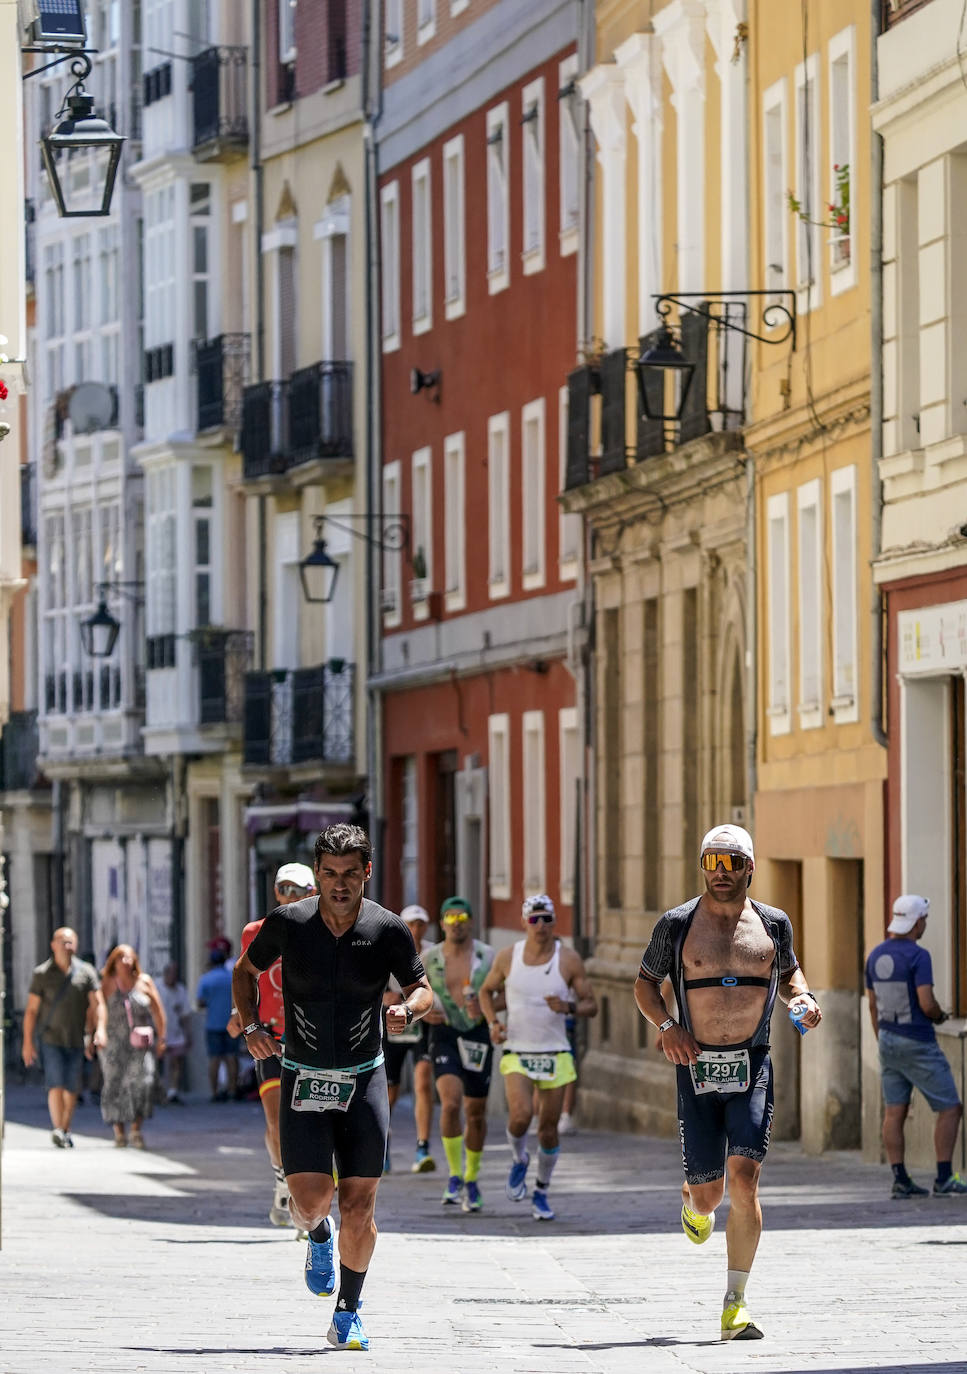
(453, 918)
(732, 863)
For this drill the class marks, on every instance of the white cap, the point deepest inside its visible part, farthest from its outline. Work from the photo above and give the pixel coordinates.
(729, 837)
(907, 911)
(300, 875)
(415, 913)
(539, 902)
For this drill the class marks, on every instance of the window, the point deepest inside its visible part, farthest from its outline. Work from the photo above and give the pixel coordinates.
(454, 463)
(498, 503)
(287, 50)
(570, 773)
(532, 118)
(454, 247)
(160, 267)
(422, 533)
(535, 841)
(422, 249)
(200, 210)
(809, 509)
(842, 160)
(843, 493)
(458, 7)
(410, 847)
(55, 617)
(498, 199)
(808, 194)
(569, 527)
(532, 491)
(161, 553)
(390, 233)
(203, 527)
(332, 230)
(391, 598)
(570, 160)
(498, 740)
(775, 182)
(54, 317)
(778, 614)
(425, 20)
(393, 33)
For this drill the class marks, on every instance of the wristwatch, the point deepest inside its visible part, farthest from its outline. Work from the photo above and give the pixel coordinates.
(247, 1030)
(667, 1025)
(409, 1013)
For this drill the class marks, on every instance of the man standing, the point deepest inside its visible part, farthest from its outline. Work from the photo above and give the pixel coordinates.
(727, 958)
(215, 995)
(460, 1048)
(293, 883)
(904, 1011)
(174, 999)
(338, 950)
(63, 994)
(543, 981)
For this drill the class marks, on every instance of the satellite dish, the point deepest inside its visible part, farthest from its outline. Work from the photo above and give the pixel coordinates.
(91, 407)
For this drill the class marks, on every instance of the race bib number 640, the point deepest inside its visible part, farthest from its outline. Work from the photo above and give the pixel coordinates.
(323, 1090)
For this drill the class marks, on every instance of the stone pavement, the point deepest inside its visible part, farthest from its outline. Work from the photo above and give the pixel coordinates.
(164, 1262)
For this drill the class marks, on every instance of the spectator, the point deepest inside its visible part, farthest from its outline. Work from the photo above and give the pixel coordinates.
(215, 995)
(174, 999)
(130, 1033)
(63, 993)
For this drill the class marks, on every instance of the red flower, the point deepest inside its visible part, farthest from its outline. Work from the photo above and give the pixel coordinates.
(3, 391)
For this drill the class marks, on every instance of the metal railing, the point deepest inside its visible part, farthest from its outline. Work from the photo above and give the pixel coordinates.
(300, 715)
(321, 412)
(19, 747)
(222, 365)
(219, 91)
(265, 429)
(223, 658)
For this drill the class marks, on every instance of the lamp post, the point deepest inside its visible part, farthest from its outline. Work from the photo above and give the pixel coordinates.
(319, 574)
(319, 571)
(99, 632)
(80, 132)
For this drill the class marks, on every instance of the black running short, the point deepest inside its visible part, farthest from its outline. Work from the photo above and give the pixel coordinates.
(354, 1139)
(395, 1053)
(268, 1070)
(716, 1125)
(472, 1064)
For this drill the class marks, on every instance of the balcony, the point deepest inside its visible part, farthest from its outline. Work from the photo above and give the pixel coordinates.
(222, 366)
(302, 420)
(19, 747)
(28, 505)
(219, 103)
(895, 10)
(223, 658)
(300, 716)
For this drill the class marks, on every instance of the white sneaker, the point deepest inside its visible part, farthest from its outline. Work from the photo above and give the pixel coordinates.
(279, 1211)
(566, 1125)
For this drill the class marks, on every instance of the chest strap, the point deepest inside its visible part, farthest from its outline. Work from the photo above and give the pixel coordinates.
(729, 981)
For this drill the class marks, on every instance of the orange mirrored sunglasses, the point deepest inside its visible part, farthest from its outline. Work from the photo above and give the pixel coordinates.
(732, 863)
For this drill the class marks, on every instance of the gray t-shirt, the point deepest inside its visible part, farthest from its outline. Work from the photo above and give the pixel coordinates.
(61, 1022)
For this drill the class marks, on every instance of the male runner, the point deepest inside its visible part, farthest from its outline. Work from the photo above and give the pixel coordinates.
(460, 1048)
(293, 883)
(543, 981)
(728, 958)
(414, 1040)
(337, 950)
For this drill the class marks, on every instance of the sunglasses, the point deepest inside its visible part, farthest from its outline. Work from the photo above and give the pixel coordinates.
(453, 918)
(539, 917)
(290, 890)
(732, 863)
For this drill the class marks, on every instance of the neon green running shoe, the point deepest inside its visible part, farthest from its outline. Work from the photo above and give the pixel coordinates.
(737, 1324)
(697, 1227)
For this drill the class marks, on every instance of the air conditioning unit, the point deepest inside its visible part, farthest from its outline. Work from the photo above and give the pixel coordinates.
(387, 600)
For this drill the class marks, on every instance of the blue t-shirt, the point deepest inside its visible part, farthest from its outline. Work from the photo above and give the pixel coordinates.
(215, 991)
(894, 970)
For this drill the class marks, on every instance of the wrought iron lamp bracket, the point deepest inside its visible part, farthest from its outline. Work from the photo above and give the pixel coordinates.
(778, 311)
(388, 533)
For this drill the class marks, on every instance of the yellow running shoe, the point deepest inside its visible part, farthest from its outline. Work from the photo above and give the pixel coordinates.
(737, 1324)
(697, 1227)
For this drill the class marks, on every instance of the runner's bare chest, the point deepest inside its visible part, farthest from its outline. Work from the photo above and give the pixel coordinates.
(719, 947)
(456, 967)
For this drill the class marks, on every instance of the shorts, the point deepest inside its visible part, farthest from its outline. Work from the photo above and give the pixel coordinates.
(906, 1064)
(220, 1044)
(355, 1139)
(716, 1125)
(448, 1059)
(63, 1068)
(395, 1052)
(564, 1070)
(268, 1073)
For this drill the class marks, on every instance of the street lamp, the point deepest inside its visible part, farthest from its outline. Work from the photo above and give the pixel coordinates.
(79, 132)
(99, 632)
(319, 570)
(319, 573)
(663, 356)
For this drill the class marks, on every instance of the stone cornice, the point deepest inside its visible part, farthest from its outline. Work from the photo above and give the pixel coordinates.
(790, 431)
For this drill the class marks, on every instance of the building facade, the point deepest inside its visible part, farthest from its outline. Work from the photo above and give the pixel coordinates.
(479, 744)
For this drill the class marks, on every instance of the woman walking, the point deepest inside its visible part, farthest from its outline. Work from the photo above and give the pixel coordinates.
(130, 1034)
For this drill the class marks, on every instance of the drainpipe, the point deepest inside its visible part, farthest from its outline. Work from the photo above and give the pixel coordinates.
(258, 188)
(876, 392)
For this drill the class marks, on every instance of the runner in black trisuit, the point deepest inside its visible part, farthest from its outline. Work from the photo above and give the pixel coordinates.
(337, 950)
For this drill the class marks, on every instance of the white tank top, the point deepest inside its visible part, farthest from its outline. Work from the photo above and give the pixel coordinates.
(531, 1025)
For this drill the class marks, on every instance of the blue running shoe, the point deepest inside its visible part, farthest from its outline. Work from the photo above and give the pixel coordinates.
(472, 1201)
(453, 1191)
(541, 1209)
(516, 1187)
(320, 1269)
(346, 1332)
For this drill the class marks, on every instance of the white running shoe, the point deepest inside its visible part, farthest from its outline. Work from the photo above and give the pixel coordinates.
(279, 1211)
(566, 1125)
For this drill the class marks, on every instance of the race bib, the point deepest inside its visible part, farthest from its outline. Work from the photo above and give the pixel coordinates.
(322, 1090)
(473, 1054)
(721, 1071)
(540, 1067)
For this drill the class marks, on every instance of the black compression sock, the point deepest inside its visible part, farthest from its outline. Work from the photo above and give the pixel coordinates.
(900, 1173)
(322, 1232)
(350, 1287)
(944, 1170)
(422, 1144)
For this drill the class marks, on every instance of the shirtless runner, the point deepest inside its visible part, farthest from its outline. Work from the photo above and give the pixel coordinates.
(728, 959)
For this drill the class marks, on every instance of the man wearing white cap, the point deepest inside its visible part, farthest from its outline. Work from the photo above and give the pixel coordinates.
(904, 1011)
(728, 959)
(292, 883)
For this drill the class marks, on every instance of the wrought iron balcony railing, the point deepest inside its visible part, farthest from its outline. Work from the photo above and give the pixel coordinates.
(223, 658)
(265, 429)
(222, 365)
(321, 412)
(300, 715)
(19, 748)
(219, 100)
